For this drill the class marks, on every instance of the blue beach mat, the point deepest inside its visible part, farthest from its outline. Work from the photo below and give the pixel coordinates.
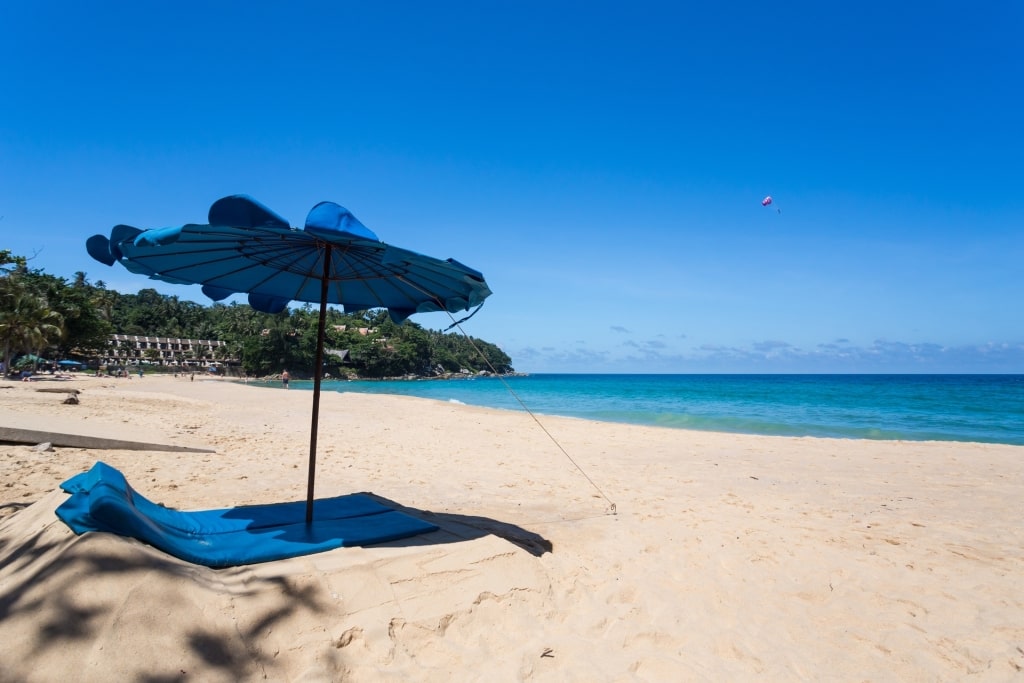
(102, 500)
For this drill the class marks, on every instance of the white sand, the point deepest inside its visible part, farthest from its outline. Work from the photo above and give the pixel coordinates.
(731, 557)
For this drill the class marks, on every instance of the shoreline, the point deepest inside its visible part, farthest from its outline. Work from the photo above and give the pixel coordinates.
(80, 383)
(763, 422)
(53, 384)
(730, 556)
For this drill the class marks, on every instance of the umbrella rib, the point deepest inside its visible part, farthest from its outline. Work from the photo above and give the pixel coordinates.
(278, 271)
(355, 264)
(402, 275)
(265, 257)
(425, 292)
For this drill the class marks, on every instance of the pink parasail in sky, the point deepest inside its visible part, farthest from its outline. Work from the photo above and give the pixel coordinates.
(766, 201)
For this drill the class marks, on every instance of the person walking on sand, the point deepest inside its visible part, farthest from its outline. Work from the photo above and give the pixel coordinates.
(285, 378)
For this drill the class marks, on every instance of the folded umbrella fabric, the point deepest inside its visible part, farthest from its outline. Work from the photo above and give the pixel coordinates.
(102, 500)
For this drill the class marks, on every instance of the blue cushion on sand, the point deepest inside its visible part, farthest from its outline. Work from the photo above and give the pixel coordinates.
(102, 500)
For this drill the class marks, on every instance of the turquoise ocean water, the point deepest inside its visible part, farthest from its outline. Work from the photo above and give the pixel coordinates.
(980, 408)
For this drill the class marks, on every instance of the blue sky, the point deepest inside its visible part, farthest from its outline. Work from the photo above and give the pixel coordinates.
(603, 164)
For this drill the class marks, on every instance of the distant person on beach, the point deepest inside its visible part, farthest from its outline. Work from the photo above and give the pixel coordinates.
(285, 378)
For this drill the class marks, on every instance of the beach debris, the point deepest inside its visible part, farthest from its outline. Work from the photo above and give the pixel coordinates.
(71, 400)
(548, 652)
(44, 447)
(10, 434)
(348, 636)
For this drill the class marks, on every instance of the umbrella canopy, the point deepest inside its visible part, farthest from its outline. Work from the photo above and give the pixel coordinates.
(247, 248)
(334, 259)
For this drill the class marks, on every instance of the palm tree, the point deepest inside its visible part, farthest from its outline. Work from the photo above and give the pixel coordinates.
(27, 324)
(202, 352)
(104, 300)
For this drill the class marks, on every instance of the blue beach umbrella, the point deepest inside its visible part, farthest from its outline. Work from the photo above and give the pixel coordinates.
(334, 259)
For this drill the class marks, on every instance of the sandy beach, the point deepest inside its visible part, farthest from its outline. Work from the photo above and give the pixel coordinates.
(728, 558)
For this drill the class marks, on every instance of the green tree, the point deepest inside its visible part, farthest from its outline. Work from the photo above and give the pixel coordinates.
(84, 330)
(27, 324)
(264, 343)
(103, 300)
(274, 350)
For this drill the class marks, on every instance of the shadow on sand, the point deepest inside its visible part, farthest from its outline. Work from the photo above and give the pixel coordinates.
(455, 528)
(41, 576)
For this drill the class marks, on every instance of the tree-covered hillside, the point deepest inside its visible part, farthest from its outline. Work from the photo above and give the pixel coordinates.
(48, 316)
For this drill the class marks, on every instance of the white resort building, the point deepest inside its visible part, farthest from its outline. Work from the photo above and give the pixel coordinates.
(134, 349)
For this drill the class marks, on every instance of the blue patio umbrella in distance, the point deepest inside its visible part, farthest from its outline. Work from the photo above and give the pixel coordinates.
(334, 259)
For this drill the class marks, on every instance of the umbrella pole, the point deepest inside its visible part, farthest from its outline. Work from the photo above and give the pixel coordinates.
(317, 373)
